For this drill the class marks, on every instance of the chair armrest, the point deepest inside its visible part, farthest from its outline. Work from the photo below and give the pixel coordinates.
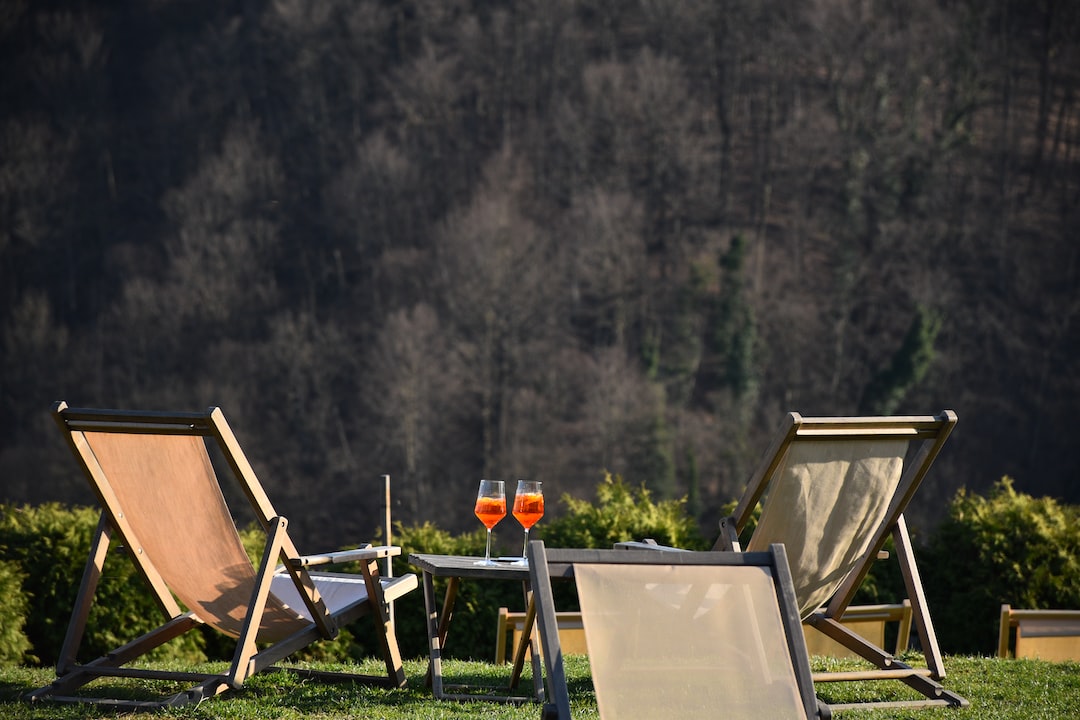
(729, 536)
(367, 552)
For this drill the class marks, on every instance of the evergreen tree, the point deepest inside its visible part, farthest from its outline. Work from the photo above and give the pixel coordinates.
(733, 335)
(885, 392)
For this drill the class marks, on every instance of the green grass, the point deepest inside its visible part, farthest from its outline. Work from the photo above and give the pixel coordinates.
(997, 689)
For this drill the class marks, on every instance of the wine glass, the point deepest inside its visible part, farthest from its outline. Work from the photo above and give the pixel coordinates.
(528, 508)
(490, 508)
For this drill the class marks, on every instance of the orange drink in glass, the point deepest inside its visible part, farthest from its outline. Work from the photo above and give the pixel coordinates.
(490, 509)
(528, 508)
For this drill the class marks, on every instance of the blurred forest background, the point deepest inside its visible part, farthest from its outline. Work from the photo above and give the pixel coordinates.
(453, 239)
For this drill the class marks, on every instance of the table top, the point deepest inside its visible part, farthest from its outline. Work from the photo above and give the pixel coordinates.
(465, 566)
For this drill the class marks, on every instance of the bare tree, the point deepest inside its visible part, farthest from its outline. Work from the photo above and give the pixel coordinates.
(500, 285)
(412, 385)
(623, 421)
(609, 266)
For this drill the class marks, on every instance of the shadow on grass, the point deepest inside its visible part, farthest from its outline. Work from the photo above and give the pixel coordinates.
(288, 695)
(11, 692)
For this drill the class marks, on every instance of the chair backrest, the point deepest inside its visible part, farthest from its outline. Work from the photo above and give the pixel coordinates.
(825, 503)
(680, 635)
(832, 489)
(153, 475)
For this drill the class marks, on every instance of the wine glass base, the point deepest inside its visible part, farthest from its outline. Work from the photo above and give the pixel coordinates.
(485, 562)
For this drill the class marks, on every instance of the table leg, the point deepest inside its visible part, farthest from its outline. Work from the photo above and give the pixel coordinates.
(438, 626)
(434, 653)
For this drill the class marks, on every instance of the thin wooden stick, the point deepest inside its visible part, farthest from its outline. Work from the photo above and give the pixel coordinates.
(386, 519)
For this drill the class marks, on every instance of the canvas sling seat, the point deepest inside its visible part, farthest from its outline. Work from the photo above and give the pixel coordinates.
(677, 636)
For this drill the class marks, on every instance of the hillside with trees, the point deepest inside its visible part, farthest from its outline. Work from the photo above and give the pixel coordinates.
(448, 240)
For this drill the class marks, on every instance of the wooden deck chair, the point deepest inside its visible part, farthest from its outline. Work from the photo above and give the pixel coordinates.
(869, 621)
(161, 498)
(679, 635)
(511, 626)
(1052, 635)
(832, 490)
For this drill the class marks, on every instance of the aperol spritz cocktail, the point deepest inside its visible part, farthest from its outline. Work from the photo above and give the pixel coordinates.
(528, 508)
(490, 509)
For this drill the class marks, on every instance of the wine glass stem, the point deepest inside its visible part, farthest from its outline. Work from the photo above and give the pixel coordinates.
(525, 547)
(487, 550)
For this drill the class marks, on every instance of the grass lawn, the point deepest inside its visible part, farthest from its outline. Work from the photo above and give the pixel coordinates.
(997, 689)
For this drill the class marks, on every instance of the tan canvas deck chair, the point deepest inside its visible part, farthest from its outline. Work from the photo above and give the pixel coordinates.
(832, 490)
(511, 626)
(162, 500)
(1052, 635)
(868, 621)
(677, 636)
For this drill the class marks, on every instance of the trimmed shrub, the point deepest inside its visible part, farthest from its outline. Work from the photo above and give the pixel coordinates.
(1005, 548)
(620, 514)
(14, 645)
(49, 544)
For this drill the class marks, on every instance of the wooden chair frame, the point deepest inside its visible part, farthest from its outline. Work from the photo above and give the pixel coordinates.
(251, 655)
(929, 434)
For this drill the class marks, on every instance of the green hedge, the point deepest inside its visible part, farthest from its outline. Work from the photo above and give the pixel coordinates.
(1007, 547)
(621, 513)
(14, 645)
(49, 544)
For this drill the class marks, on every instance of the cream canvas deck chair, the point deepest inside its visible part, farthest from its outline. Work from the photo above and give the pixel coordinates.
(676, 636)
(161, 498)
(832, 490)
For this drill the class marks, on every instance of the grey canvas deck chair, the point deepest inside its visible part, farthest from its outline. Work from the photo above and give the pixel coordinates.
(677, 636)
(162, 500)
(833, 490)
